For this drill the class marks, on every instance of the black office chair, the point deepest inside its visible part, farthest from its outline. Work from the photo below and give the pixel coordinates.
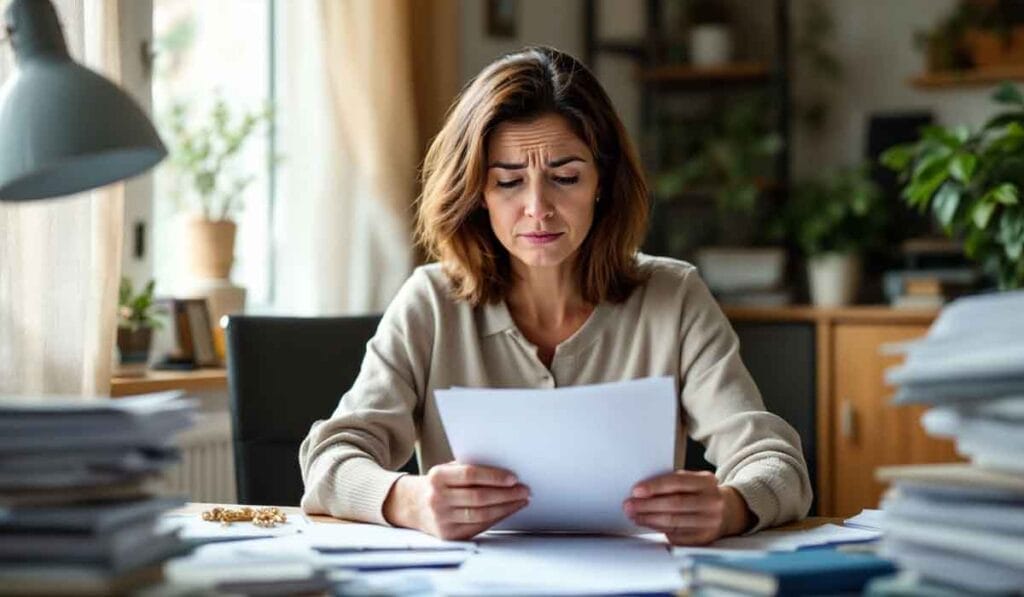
(284, 373)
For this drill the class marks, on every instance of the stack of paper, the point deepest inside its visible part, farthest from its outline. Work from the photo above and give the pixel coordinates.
(77, 480)
(964, 524)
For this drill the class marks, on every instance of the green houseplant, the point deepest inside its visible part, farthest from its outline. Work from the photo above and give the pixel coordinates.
(206, 154)
(833, 219)
(971, 182)
(137, 316)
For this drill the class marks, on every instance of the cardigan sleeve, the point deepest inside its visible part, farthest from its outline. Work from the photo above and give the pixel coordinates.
(754, 451)
(349, 461)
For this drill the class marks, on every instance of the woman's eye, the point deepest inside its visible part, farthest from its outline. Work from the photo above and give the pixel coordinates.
(566, 180)
(508, 184)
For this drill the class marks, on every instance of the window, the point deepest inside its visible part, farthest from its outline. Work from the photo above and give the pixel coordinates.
(204, 51)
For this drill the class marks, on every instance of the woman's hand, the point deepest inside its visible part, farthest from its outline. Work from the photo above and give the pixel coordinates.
(455, 501)
(689, 507)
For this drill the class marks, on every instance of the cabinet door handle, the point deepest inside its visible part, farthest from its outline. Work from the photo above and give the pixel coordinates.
(848, 420)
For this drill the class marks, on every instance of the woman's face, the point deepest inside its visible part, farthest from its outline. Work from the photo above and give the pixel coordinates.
(542, 183)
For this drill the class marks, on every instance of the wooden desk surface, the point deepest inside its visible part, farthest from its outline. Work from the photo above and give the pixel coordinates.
(158, 381)
(197, 508)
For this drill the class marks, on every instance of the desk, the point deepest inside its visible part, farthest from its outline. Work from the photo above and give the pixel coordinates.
(212, 378)
(196, 508)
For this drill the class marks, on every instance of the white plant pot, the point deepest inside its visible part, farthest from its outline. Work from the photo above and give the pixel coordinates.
(833, 278)
(710, 45)
(734, 269)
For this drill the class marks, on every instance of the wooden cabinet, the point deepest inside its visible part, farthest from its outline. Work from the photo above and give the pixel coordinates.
(868, 431)
(856, 427)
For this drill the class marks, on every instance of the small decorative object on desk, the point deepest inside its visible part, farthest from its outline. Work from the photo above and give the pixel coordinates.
(262, 517)
(136, 319)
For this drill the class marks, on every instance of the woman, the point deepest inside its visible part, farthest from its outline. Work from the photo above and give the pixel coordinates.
(535, 206)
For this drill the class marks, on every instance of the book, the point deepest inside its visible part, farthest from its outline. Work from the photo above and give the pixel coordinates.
(813, 571)
(187, 339)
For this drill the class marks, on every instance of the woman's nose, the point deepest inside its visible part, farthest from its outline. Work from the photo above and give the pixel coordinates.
(537, 206)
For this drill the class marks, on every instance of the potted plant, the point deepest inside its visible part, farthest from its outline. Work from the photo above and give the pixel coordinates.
(832, 220)
(971, 182)
(137, 317)
(730, 159)
(206, 155)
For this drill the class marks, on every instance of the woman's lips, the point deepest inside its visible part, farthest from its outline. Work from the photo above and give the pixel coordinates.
(541, 238)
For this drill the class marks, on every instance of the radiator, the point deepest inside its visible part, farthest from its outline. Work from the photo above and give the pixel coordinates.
(207, 469)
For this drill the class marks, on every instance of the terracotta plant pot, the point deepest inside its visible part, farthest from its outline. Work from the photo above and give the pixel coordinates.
(992, 49)
(211, 247)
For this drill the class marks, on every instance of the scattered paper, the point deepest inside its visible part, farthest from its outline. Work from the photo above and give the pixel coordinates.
(828, 534)
(560, 564)
(362, 537)
(389, 560)
(558, 442)
(872, 520)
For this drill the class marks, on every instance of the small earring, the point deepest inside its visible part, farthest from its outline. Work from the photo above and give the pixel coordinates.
(597, 199)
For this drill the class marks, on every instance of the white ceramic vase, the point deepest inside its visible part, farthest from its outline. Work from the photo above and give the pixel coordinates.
(833, 278)
(710, 45)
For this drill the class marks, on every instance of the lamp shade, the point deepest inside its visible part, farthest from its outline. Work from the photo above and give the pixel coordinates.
(63, 128)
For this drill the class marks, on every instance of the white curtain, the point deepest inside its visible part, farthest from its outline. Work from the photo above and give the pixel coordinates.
(60, 259)
(349, 145)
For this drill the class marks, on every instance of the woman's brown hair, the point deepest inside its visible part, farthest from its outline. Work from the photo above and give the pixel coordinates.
(454, 228)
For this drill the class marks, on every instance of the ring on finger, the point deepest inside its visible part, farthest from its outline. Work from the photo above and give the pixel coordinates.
(467, 515)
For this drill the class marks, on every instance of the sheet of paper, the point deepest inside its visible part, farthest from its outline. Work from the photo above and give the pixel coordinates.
(193, 528)
(873, 520)
(389, 560)
(553, 565)
(579, 449)
(828, 534)
(333, 537)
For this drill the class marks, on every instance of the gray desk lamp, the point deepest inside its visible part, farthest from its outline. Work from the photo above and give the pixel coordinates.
(63, 128)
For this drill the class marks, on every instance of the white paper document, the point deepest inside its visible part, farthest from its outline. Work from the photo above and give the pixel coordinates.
(579, 449)
(344, 537)
(566, 565)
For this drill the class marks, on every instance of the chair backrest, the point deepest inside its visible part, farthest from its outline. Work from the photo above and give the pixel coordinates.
(284, 373)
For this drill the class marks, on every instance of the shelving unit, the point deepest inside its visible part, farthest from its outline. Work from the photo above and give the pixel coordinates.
(658, 80)
(968, 78)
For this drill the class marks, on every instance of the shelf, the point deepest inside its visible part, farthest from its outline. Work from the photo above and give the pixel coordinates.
(729, 74)
(158, 381)
(969, 78)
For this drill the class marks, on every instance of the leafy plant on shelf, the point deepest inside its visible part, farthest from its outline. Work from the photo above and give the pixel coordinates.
(207, 154)
(842, 212)
(972, 184)
(137, 311)
(732, 160)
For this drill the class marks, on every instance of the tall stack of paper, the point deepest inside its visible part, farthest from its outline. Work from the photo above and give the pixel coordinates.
(77, 503)
(963, 524)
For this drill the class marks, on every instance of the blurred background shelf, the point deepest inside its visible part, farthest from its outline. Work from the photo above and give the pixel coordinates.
(968, 78)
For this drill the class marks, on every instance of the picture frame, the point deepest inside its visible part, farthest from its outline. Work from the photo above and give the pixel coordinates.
(502, 18)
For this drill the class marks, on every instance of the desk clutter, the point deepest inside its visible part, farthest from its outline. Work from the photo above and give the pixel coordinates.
(365, 559)
(962, 525)
(79, 495)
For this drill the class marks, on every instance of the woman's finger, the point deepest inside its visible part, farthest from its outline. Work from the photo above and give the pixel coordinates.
(486, 515)
(475, 497)
(675, 482)
(675, 523)
(466, 475)
(681, 503)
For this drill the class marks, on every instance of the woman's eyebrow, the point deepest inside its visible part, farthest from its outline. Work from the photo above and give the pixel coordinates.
(552, 164)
